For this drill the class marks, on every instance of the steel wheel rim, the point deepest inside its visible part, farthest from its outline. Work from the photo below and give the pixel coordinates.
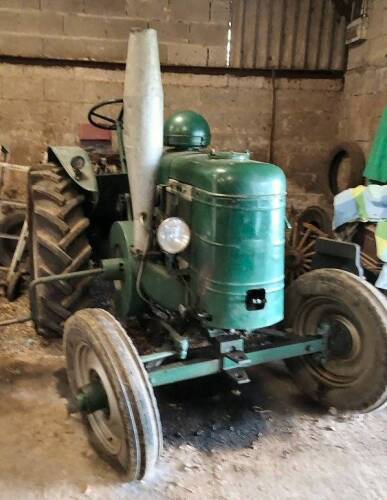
(301, 249)
(341, 370)
(107, 425)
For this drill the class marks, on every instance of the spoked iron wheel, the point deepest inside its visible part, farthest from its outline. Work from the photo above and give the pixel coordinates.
(301, 249)
(312, 223)
(108, 379)
(352, 315)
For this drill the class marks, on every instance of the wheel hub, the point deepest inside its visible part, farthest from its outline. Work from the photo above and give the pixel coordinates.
(97, 396)
(343, 341)
(340, 341)
(92, 397)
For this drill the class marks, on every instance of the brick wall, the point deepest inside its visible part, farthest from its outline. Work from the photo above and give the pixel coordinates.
(45, 105)
(365, 91)
(191, 32)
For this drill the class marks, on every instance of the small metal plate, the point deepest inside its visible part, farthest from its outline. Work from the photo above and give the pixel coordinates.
(238, 375)
(239, 358)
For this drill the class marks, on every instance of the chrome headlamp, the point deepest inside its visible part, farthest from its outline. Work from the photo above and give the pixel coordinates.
(173, 235)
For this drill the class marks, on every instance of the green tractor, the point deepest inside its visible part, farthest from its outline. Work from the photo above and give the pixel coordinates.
(193, 241)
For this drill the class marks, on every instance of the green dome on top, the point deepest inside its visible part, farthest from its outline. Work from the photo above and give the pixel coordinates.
(187, 129)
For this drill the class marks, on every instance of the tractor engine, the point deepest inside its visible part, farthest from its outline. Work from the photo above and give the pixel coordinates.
(217, 240)
(227, 215)
(207, 234)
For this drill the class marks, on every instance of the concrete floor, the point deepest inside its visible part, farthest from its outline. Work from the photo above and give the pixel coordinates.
(265, 441)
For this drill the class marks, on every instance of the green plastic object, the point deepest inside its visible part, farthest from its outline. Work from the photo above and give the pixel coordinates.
(187, 130)
(235, 208)
(376, 168)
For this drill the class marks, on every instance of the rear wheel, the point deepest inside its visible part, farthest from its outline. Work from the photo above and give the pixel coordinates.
(58, 244)
(127, 430)
(352, 374)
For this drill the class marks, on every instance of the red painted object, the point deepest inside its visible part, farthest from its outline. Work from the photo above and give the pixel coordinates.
(89, 133)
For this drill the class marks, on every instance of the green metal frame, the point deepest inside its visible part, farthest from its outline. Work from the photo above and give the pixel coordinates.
(186, 370)
(195, 368)
(92, 397)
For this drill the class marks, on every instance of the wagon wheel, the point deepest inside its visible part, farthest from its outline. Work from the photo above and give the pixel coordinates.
(301, 248)
(116, 399)
(312, 223)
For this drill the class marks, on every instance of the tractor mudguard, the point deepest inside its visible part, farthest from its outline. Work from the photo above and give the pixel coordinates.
(338, 255)
(64, 154)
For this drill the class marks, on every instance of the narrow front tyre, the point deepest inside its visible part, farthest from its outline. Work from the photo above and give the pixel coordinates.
(109, 381)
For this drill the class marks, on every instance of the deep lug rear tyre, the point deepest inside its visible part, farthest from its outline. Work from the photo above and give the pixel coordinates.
(57, 244)
(128, 433)
(353, 315)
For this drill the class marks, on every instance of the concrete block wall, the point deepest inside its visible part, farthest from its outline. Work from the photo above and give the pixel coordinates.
(45, 105)
(365, 91)
(191, 32)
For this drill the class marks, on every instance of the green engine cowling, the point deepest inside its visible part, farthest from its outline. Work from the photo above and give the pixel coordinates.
(235, 208)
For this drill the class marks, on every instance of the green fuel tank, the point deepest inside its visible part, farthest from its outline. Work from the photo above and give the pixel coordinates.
(235, 208)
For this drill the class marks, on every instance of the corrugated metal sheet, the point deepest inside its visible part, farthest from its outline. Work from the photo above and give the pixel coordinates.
(287, 34)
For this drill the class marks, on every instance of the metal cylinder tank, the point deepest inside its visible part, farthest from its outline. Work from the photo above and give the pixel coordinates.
(143, 127)
(235, 208)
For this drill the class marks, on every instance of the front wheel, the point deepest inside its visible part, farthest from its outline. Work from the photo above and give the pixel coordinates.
(352, 374)
(126, 430)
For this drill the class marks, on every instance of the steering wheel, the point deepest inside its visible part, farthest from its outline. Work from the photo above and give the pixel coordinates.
(110, 123)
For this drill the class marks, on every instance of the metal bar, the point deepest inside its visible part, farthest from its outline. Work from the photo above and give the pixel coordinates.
(47, 279)
(157, 356)
(6, 236)
(177, 372)
(18, 204)
(19, 250)
(13, 166)
(288, 350)
(56, 277)
(14, 321)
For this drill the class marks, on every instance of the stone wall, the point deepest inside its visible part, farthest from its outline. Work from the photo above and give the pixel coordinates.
(191, 32)
(45, 105)
(46, 89)
(365, 91)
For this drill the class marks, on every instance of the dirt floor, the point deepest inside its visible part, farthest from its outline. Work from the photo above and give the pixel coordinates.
(264, 440)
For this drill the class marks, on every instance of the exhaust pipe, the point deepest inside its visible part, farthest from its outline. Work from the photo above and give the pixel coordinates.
(143, 127)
